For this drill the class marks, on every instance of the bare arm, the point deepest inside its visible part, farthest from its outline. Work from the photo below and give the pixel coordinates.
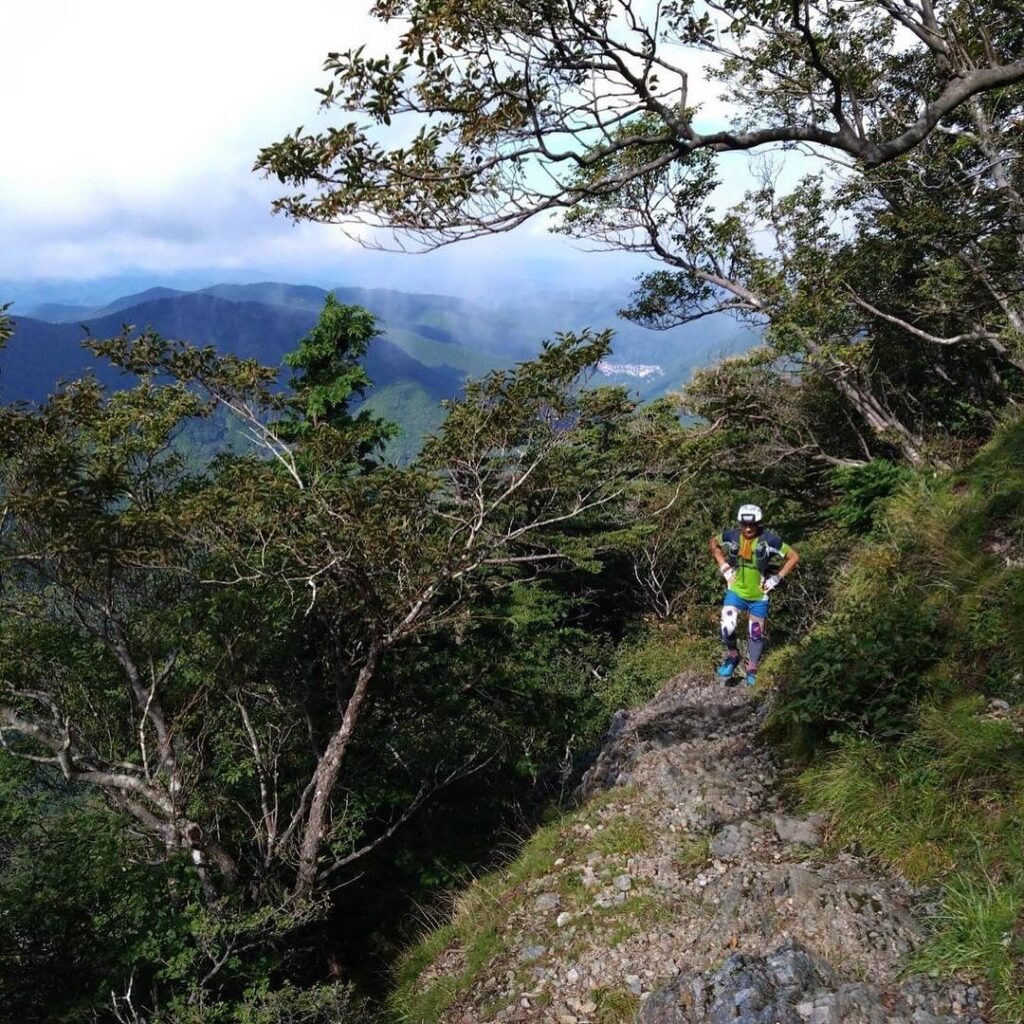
(716, 550)
(790, 563)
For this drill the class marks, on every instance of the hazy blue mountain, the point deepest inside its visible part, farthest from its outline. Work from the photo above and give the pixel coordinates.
(304, 297)
(430, 343)
(433, 318)
(41, 353)
(405, 390)
(60, 312)
(678, 352)
(56, 312)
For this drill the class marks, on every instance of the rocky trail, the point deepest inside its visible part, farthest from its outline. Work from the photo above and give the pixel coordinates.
(682, 891)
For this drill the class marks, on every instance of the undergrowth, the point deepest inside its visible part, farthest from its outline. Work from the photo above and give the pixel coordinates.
(450, 958)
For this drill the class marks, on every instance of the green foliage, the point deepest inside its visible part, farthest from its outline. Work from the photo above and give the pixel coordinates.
(922, 611)
(943, 807)
(615, 1006)
(500, 123)
(862, 492)
(622, 836)
(325, 1004)
(329, 377)
(80, 909)
(914, 676)
(859, 669)
(464, 608)
(979, 933)
(641, 666)
(693, 852)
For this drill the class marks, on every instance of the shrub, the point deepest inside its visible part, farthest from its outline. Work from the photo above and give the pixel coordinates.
(642, 666)
(862, 492)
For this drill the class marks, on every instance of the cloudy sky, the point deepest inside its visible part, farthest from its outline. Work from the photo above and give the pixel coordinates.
(130, 130)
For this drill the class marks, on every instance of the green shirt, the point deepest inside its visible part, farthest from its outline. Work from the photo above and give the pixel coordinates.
(747, 583)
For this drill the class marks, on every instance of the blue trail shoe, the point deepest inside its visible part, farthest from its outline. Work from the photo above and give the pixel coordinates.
(726, 669)
(751, 678)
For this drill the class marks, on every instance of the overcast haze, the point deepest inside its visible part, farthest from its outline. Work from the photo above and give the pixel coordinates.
(131, 130)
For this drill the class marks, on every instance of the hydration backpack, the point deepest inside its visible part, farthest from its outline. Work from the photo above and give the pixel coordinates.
(767, 549)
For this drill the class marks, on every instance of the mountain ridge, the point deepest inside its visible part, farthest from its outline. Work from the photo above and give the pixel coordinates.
(430, 343)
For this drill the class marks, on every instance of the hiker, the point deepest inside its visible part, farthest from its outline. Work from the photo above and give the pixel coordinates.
(748, 557)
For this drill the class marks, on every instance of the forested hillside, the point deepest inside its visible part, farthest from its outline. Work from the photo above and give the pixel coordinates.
(265, 714)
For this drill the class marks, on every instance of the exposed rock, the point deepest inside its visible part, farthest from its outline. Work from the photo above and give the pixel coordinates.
(733, 842)
(791, 986)
(545, 902)
(802, 831)
(531, 953)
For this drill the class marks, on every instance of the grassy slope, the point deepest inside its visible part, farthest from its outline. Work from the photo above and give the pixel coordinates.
(918, 673)
(450, 958)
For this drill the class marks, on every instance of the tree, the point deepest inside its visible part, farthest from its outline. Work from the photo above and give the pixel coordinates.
(142, 580)
(87, 562)
(520, 108)
(391, 554)
(220, 656)
(581, 109)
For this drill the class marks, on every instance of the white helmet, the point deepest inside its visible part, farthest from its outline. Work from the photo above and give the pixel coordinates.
(749, 515)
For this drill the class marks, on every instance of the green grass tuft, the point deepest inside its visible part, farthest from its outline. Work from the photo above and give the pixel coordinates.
(692, 852)
(981, 931)
(615, 1006)
(622, 836)
(891, 691)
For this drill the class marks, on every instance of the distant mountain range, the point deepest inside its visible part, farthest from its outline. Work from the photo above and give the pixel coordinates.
(429, 345)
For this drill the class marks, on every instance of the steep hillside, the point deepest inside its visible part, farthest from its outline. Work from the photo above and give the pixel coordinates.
(430, 343)
(685, 890)
(445, 330)
(41, 354)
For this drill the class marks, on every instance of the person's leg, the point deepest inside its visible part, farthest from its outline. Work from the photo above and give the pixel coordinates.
(755, 648)
(730, 629)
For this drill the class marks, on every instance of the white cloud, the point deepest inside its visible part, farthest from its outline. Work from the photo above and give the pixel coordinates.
(132, 98)
(131, 128)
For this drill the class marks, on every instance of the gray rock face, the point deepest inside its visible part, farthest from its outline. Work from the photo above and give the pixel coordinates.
(803, 831)
(735, 842)
(695, 893)
(792, 986)
(546, 902)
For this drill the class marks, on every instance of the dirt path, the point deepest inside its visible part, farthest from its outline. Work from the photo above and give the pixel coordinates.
(682, 892)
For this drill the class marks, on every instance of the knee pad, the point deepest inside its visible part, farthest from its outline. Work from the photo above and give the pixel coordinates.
(730, 620)
(756, 630)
